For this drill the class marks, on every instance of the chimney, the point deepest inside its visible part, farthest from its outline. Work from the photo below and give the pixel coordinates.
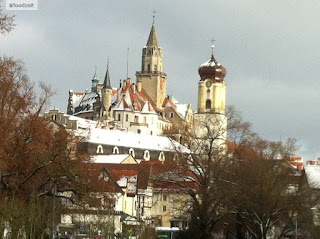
(133, 87)
(139, 86)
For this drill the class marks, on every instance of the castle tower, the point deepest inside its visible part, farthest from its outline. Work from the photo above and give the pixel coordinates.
(152, 79)
(210, 119)
(106, 94)
(95, 82)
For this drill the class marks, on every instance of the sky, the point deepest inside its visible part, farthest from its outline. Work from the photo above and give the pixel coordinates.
(270, 50)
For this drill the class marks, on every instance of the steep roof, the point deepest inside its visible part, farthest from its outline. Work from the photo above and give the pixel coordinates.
(153, 38)
(107, 83)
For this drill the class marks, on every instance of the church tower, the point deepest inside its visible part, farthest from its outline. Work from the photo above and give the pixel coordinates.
(152, 79)
(210, 119)
(106, 94)
(211, 87)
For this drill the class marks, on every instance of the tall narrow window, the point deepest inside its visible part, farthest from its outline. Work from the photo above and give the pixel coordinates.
(136, 119)
(127, 117)
(208, 104)
(155, 68)
(119, 117)
(149, 69)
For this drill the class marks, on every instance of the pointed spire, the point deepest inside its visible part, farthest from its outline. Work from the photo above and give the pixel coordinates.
(107, 83)
(95, 76)
(153, 38)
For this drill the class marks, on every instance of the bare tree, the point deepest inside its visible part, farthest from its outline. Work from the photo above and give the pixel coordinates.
(6, 21)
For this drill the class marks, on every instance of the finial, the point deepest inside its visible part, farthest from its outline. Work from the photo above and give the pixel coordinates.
(154, 15)
(108, 64)
(212, 46)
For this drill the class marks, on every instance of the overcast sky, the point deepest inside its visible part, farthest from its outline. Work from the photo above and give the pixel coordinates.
(270, 50)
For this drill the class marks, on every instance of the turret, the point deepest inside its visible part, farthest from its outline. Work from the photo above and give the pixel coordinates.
(95, 82)
(106, 92)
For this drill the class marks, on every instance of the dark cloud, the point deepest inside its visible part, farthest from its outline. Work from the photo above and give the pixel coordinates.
(268, 48)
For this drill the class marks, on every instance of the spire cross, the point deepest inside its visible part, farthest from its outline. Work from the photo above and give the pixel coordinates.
(108, 64)
(154, 15)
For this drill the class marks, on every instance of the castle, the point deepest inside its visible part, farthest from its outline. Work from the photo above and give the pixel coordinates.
(144, 108)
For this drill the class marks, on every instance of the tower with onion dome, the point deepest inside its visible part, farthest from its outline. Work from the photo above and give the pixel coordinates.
(210, 120)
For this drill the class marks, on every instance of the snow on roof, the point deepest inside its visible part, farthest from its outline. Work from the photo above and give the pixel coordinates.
(182, 109)
(76, 98)
(83, 123)
(134, 140)
(313, 175)
(112, 158)
(210, 63)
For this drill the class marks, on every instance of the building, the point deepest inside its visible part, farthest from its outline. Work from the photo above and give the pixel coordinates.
(144, 107)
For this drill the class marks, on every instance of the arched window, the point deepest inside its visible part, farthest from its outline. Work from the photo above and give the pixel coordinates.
(131, 152)
(155, 68)
(99, 149)
(149, 69)
(146, 155)
(115, 150)
(161, 156)
(175, 157)
(208, 104)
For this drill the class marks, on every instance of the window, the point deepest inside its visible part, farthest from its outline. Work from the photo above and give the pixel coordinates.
(119, 117)
(171, 115)
(131, 152)
(145, 119)
(151, 133)
(136, 119)
(115, 150)
(208, 104)
(99, 149)
(139, 131)
(155, 67)
(164, 208)
(146, 155)
(161, 156)
(164, 197)
(149, 68)
(127, 117)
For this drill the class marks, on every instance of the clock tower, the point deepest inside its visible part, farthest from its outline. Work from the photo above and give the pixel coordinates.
(210, 119)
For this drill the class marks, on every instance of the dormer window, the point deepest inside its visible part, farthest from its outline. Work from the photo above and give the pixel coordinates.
(146, 155)
(131, 152)
(115, 150)
(99, 149)
(161, 156)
